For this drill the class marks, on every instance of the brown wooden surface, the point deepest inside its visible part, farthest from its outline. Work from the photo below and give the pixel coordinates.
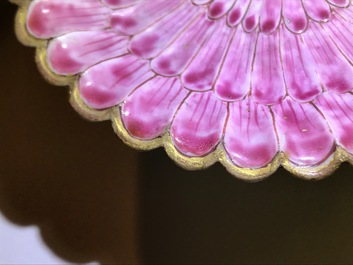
(96, 199)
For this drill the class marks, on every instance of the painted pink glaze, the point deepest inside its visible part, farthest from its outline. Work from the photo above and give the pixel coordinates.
(234, 79)
(120, 3)
(48, 19)
(134, 19)
(108, 83)
(174, 59)
(237, 12)
(202, 72)
(219, 8)
(329, 61)
(270, 15)
(260, 76)
(301, 79)
(267, 77)
(201, 2)
(251, 19)
(341, 33)
(294, 16)
(339, 3)
(74, 52)
(338, 111)
(250, 138)
(155, 39)
(303, 133)
(198, 124)
(157, 99)
(318, 10)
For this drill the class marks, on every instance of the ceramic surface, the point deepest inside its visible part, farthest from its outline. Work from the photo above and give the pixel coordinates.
(252, 84)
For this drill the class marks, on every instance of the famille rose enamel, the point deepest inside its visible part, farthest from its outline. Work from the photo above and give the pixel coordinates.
(253, 84)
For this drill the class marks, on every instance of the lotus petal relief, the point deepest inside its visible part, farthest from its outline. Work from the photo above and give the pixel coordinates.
(253, 84)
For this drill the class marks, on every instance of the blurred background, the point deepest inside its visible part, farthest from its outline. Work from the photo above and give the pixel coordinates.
(91, 198)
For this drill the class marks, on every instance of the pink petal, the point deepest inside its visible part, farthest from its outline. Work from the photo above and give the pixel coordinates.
(202, 72)
(303, 133)
(234, 79)
(318, 10)
(198, 124)
(201, 2)
(130, 21)
(237, 12)
(48, 19)
(120, 3)
(270, 15)
(152, 41)
(251, 19)
(298, 67)
(108, 83)
(178, 55)
(267, 77)
(339, 3)
(74, 52)
(250, 138)
(338, 111)
(345, 13)
(341, 33)
(294, 16)
(334, 70)
(150, 109)
(219, 8)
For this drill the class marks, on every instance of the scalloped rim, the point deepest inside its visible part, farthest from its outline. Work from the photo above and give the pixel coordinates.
(191, 163)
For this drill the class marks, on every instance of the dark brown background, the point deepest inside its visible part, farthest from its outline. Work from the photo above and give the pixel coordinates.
(91, 195)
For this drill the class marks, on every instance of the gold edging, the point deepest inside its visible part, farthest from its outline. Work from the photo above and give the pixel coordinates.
(190, 163)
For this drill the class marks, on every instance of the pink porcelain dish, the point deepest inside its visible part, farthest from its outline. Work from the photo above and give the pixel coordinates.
(253, 84)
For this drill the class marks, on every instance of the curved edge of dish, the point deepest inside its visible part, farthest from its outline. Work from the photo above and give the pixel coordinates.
(190, 163)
